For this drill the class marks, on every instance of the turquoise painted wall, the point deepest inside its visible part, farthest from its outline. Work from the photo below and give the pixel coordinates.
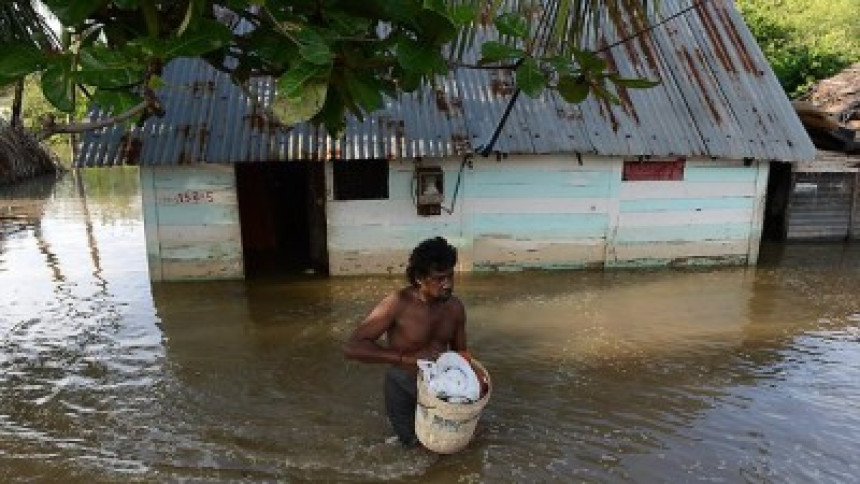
(550, 211)
(191, 221)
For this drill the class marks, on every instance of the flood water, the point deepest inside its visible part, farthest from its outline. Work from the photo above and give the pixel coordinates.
(706, 375)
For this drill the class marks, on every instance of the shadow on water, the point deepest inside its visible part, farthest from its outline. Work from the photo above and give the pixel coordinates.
(729, 374)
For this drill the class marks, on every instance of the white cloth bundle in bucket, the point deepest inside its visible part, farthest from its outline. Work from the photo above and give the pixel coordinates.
(443, 426)
(451, 378)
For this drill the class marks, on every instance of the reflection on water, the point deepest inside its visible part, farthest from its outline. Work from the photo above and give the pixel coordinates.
(721, 375)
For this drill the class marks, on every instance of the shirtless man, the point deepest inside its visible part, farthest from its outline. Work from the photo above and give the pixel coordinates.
(419, 321)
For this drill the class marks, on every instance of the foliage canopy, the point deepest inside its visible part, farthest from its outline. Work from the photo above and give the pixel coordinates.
(805, 40)
(329, 57)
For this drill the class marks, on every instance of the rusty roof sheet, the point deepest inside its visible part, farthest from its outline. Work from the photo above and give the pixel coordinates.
(718, 98)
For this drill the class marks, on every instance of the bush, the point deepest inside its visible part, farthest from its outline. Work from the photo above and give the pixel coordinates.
(805, 40)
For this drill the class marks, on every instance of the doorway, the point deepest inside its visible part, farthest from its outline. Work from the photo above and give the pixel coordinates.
(282, 213)
(776, 205)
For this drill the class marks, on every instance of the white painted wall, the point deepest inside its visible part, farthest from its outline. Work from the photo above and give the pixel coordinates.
(552, 212)
(191, 220)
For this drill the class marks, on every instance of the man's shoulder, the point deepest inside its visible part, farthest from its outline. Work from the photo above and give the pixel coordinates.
(456, 304)
(400, 297)
(455, 300)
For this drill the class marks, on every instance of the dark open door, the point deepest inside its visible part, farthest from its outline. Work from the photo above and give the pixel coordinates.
(776, 205)
(282, 211)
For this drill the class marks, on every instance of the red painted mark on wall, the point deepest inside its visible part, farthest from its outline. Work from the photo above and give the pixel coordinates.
(658, 170)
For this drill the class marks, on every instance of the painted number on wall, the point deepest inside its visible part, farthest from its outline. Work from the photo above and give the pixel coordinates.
(194, 196)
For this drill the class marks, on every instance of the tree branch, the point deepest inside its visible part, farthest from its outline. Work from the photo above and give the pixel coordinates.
(50, 127)
(485, 67)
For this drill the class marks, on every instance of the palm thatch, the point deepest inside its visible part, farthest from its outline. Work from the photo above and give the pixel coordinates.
(840, 96)
(19, 21)
(22, 157)
(831, 114)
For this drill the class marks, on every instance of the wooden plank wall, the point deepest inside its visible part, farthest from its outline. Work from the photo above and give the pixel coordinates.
(540, 212)
(192, 222)
(713, 215)
(820, 205)
(855, 212)
(554, 212)
(376, 236)
(824, 203)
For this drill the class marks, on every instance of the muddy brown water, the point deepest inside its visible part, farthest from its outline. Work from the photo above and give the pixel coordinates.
(696, 375)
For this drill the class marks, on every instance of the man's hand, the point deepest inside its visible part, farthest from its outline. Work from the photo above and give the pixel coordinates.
(428, 354)
(411, 360)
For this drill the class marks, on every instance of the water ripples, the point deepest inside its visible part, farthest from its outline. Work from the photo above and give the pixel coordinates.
(714, 375)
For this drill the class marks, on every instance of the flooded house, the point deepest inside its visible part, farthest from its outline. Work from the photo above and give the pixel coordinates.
(673, 175)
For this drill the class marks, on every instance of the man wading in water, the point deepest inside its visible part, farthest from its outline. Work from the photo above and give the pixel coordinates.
(420, 321)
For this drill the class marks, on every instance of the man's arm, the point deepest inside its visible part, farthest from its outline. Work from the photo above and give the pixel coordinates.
(362, 343)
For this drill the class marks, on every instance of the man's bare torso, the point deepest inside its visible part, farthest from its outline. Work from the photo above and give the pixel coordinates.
(414, 325)
(421, 326)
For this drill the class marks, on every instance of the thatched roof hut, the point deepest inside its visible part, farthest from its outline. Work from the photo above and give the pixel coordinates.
(21, 155)
(840, 96)
(831, 112)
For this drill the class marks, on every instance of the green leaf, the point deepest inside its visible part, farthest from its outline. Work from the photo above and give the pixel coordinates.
(572, 89)
(294, 110)
(407, 81)
(107, 68)
(347, 25)
(208, 35)
(633, 83)
(512, 24)
(273, 48)
(127, 4)
(437, 5)
(59, 87)
(416, 57)
(602, 93)
(366, 92)
(589, 61)
(398, 11)
(493, 51)
(463, 14)
(292, 83)
(561, 64)
(115, 102)
(313, 48)
(73, 12)
(530, 78)
(332, 114)
(435, 27)
(18, 60)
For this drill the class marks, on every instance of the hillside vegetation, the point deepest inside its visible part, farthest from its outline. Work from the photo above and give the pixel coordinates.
(805, 40)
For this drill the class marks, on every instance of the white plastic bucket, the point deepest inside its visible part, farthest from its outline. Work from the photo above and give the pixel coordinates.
(446, 428)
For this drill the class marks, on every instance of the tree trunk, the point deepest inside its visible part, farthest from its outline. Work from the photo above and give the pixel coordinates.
(16, 103)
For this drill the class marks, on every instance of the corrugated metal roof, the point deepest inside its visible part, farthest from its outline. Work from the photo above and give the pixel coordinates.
(718, 98)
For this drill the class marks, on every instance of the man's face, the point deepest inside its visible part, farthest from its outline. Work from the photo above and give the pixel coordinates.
(438, 285)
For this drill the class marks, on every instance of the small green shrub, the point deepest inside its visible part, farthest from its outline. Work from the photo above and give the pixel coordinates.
(805, 40)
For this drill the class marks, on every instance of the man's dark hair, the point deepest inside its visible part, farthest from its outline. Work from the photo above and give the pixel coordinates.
(434, 254)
